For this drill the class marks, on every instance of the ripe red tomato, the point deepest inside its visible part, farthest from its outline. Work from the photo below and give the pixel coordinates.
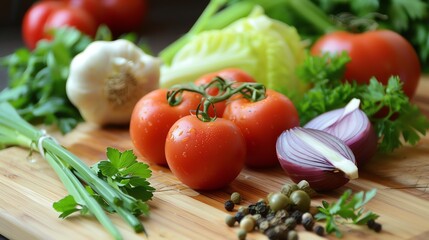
(45, 15)
(151, 119)
(229, 75)
(261, 123)
(123, 16)
(380, 53)
(205, 155)
(72, 17)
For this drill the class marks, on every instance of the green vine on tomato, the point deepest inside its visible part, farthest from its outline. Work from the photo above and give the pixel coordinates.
(252, 91)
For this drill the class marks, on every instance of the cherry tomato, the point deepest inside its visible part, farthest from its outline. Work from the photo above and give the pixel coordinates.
(151, 119)
(205, 155)
(380, 53)
(93, 7)
(48, 14)
(72, 17)
(261, 123)
(229, 75)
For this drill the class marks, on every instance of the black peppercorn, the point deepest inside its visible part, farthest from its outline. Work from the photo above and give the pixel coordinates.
(308, 223)
(297, 215)
(238, 216)
(319, 230)
(229, 205)
(290, 223)
(370, 224)
(262, 208)
(377, 227)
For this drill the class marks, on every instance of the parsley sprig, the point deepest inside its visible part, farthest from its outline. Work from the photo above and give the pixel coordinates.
(348, 209)
(401, 119)
(117, 185)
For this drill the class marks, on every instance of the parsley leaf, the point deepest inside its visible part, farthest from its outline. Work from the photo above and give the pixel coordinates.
(68, 206)
(347, 209)
(129, 176)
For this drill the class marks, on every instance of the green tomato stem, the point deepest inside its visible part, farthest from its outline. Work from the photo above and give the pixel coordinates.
(251, 91)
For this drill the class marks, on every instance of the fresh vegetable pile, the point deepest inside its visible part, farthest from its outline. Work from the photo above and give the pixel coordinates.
(247, 86)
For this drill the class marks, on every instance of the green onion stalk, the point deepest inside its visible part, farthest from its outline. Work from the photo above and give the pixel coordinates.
(15, 131)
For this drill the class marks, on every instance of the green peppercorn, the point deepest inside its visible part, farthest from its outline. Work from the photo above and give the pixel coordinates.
(263, 226)
(301, 200)
(278, 201)
(229, 205)
(287, 189)
(292, 235)
(230, 220)
(241, 234)
(305, 186)
(236, 198)
(247, 223)
(244, 210)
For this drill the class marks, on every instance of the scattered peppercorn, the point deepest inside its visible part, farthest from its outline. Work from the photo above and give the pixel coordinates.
(306, 216)
(230, 220)
(377, 227)
(287, 189)
(290, 223)
(263, 225)
(241, 234)
(308, 223)
(236, 198)
(239, 216)
(319, 230)
(243, 209)
(297, 215)
(247, 223)
(371, 223)
(305, 186)
(229, 205)
(292, 235)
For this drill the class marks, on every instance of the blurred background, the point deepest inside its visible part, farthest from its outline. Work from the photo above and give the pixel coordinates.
(165, 21)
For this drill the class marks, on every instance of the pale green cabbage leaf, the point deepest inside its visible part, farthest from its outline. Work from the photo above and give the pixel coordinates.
(267, 49)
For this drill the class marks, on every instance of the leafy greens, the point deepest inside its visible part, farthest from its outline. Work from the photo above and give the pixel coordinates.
(349, 208)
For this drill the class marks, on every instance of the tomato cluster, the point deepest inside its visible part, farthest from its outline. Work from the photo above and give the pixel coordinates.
(85, 15)
(209, 152)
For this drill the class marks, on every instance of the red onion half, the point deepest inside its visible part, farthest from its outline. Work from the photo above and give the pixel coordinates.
(351, 125)
(322, 159)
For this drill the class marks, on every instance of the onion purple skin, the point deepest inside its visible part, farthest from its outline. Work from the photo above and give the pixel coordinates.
(319, 180)
(365, 148)
(363, 145)
(301, 163)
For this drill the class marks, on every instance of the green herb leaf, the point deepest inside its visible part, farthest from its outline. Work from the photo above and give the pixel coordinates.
(347, 209)
(123, 172)
(67, 206)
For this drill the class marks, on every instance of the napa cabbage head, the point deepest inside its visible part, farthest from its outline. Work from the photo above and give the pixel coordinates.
(267, 49)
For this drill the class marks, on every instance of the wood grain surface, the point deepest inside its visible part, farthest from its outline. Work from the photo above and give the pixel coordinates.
(28, 187)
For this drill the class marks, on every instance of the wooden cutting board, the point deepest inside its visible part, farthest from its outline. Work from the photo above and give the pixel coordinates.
(28, 187)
